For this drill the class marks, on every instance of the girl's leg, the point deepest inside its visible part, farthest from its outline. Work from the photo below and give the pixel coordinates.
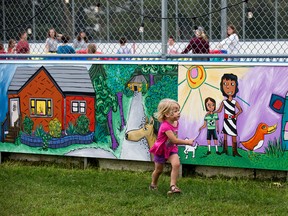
(156, 173)
(175, 163)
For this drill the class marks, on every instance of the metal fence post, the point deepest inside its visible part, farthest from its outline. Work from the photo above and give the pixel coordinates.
(142, 19)
(164, 26)
(223, 19)
(243, 22)
(107, 21)
(33, 21)
(176, 20)
(4, 23)
(73, 17)
(276, 19)
(210, 20)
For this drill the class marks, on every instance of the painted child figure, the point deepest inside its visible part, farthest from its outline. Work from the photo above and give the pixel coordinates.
(165, 147)
(211, 122)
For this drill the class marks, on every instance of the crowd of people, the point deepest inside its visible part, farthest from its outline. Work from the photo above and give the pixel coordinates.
(199, 44)
(59, 43)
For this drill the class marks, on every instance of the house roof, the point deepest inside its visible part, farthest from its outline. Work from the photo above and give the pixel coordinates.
(138, 79)
(70, 79)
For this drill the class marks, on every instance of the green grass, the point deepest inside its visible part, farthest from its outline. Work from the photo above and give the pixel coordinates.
(52, 190)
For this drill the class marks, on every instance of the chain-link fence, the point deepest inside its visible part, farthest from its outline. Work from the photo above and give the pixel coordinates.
(106, 21)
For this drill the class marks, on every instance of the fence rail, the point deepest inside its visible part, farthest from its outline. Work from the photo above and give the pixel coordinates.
(105, 22)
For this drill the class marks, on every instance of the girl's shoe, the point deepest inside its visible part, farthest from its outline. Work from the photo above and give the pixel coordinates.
(174, 190)
(153, 187)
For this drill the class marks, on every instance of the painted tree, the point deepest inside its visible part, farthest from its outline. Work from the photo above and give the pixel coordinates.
(117, 78)
(153, 70)
(164, 88)
(106, 102)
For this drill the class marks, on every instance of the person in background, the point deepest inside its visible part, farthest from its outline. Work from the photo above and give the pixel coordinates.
(81, 42)
(2, 50)
(91, 49)
(22, 46)
(64, 48)
(52, 41)
(172, 46)
(124, 49)
(11, 46)
(231, 42)
(198, 44)
(165, 147)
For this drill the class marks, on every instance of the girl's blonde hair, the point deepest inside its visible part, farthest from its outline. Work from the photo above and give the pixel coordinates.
(164, 107)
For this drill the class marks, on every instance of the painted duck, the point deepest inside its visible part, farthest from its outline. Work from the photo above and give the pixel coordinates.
(257, 140)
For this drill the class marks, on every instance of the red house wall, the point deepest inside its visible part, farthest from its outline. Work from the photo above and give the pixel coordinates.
(90, 111)
(40, 87)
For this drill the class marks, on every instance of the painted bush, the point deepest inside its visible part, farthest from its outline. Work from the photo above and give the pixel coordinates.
(55, 128)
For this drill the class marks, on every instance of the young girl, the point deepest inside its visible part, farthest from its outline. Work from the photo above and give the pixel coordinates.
(232, 42)
(52, 41)
(211, 122)
(12, 46)
(165, 147)
(81, 42)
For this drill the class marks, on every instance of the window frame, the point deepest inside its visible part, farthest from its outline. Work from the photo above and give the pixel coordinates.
(78, 107)
(47, 107)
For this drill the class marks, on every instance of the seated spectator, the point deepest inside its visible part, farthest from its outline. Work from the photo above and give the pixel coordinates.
(231, 42)
(52, 41)
(123, 48)
(22, 46)
(81, 42)
(64, 48)
(11, 46)
(172, 46)
(2, 50)
(91, 49)
(198, 44)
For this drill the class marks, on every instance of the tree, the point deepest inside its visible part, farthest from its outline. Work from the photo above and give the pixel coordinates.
(117, 78)
(153, 70)
(106, 102)
(165, 88)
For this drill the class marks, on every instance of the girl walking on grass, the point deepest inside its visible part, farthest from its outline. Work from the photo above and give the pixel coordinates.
(165, 147)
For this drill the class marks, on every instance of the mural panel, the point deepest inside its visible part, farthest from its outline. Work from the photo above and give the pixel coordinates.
(102, 111)
(237, 115)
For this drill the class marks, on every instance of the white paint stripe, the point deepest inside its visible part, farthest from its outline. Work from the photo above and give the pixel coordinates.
(229, 132)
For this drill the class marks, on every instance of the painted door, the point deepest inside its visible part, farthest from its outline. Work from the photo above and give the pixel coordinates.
(14, 110)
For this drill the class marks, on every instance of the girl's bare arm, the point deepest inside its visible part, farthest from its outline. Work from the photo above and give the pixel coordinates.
(177, 141)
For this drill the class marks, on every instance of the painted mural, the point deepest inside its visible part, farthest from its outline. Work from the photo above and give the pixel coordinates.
(237, 115)
(88, 111)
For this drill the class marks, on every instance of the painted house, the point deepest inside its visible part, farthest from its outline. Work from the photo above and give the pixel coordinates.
(45, 93)
(137, 82)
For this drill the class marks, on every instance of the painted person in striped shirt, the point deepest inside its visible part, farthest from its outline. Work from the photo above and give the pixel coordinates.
(229, 89)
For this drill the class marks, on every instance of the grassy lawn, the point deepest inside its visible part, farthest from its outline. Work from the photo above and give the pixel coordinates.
(26, 189)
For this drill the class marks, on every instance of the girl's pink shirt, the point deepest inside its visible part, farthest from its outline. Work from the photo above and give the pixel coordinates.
(163, 146)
